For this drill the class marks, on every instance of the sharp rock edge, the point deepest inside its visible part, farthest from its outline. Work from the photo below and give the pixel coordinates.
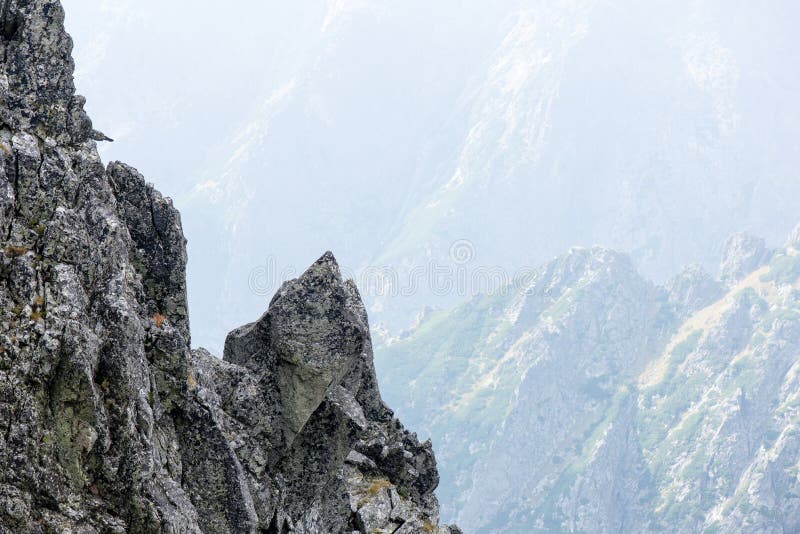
(109, 422)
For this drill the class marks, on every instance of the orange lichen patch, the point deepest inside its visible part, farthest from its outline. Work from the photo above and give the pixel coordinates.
(15, 250)
(377, 486)
(159, 319)
(191, 381)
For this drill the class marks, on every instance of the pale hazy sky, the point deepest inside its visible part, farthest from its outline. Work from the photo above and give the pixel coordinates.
(387, 131)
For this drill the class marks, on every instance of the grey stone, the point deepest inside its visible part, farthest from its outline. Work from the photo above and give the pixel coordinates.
(743, 254)
(109, 421)
(794, 238)
(693, 288)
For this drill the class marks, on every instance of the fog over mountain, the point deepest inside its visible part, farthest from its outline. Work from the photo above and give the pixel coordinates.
(587, 399)
(607, 150)
(386, 131)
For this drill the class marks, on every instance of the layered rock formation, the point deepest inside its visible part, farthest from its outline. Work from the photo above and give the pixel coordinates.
(109, 422)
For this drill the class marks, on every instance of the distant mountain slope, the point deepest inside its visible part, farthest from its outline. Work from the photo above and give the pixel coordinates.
(627, 124)
(388, 130)
(587, 399)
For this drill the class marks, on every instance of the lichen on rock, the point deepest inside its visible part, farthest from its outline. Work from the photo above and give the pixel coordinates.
(109, 421)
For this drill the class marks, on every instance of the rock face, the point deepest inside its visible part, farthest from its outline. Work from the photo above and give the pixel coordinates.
(693, 289)
(586, 399)
(521, 377)
(743, 254)
(109, 422)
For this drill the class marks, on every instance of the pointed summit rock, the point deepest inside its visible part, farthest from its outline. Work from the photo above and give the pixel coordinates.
(312, 335)
(743, 254)
(109, 421)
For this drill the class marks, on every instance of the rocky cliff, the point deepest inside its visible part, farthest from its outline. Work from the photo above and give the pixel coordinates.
(586, 399)
(109, 421)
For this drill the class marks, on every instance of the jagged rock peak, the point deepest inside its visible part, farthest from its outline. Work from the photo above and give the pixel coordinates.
(794, 238)
(743, 254)
(109, 422)
(693, 288)
(579, 263)
(37, 92)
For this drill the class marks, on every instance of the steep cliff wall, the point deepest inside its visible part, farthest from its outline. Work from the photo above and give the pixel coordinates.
(586, 399)
(109, 421)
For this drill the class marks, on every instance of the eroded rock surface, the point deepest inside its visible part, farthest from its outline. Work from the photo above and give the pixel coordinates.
(743, 254)
(109, 422)
(607, 404)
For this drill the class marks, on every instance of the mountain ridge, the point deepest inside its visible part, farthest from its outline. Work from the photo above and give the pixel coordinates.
(611, 404)
(109, 420)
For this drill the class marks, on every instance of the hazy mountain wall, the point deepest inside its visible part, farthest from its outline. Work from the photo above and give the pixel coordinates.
(389, 130)
(590, 400)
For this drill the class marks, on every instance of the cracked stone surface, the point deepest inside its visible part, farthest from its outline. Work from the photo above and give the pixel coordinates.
(109, 421)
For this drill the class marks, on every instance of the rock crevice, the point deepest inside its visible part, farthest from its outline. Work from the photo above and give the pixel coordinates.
(110, 421)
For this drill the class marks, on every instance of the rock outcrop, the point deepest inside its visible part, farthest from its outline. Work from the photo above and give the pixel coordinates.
(743, 254)
(693, 289)
(109, 421)
(590, 400)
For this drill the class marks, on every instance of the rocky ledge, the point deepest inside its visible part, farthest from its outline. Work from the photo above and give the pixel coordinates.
(109, 421)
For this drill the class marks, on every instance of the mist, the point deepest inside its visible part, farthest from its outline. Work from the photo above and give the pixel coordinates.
(518, 190)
